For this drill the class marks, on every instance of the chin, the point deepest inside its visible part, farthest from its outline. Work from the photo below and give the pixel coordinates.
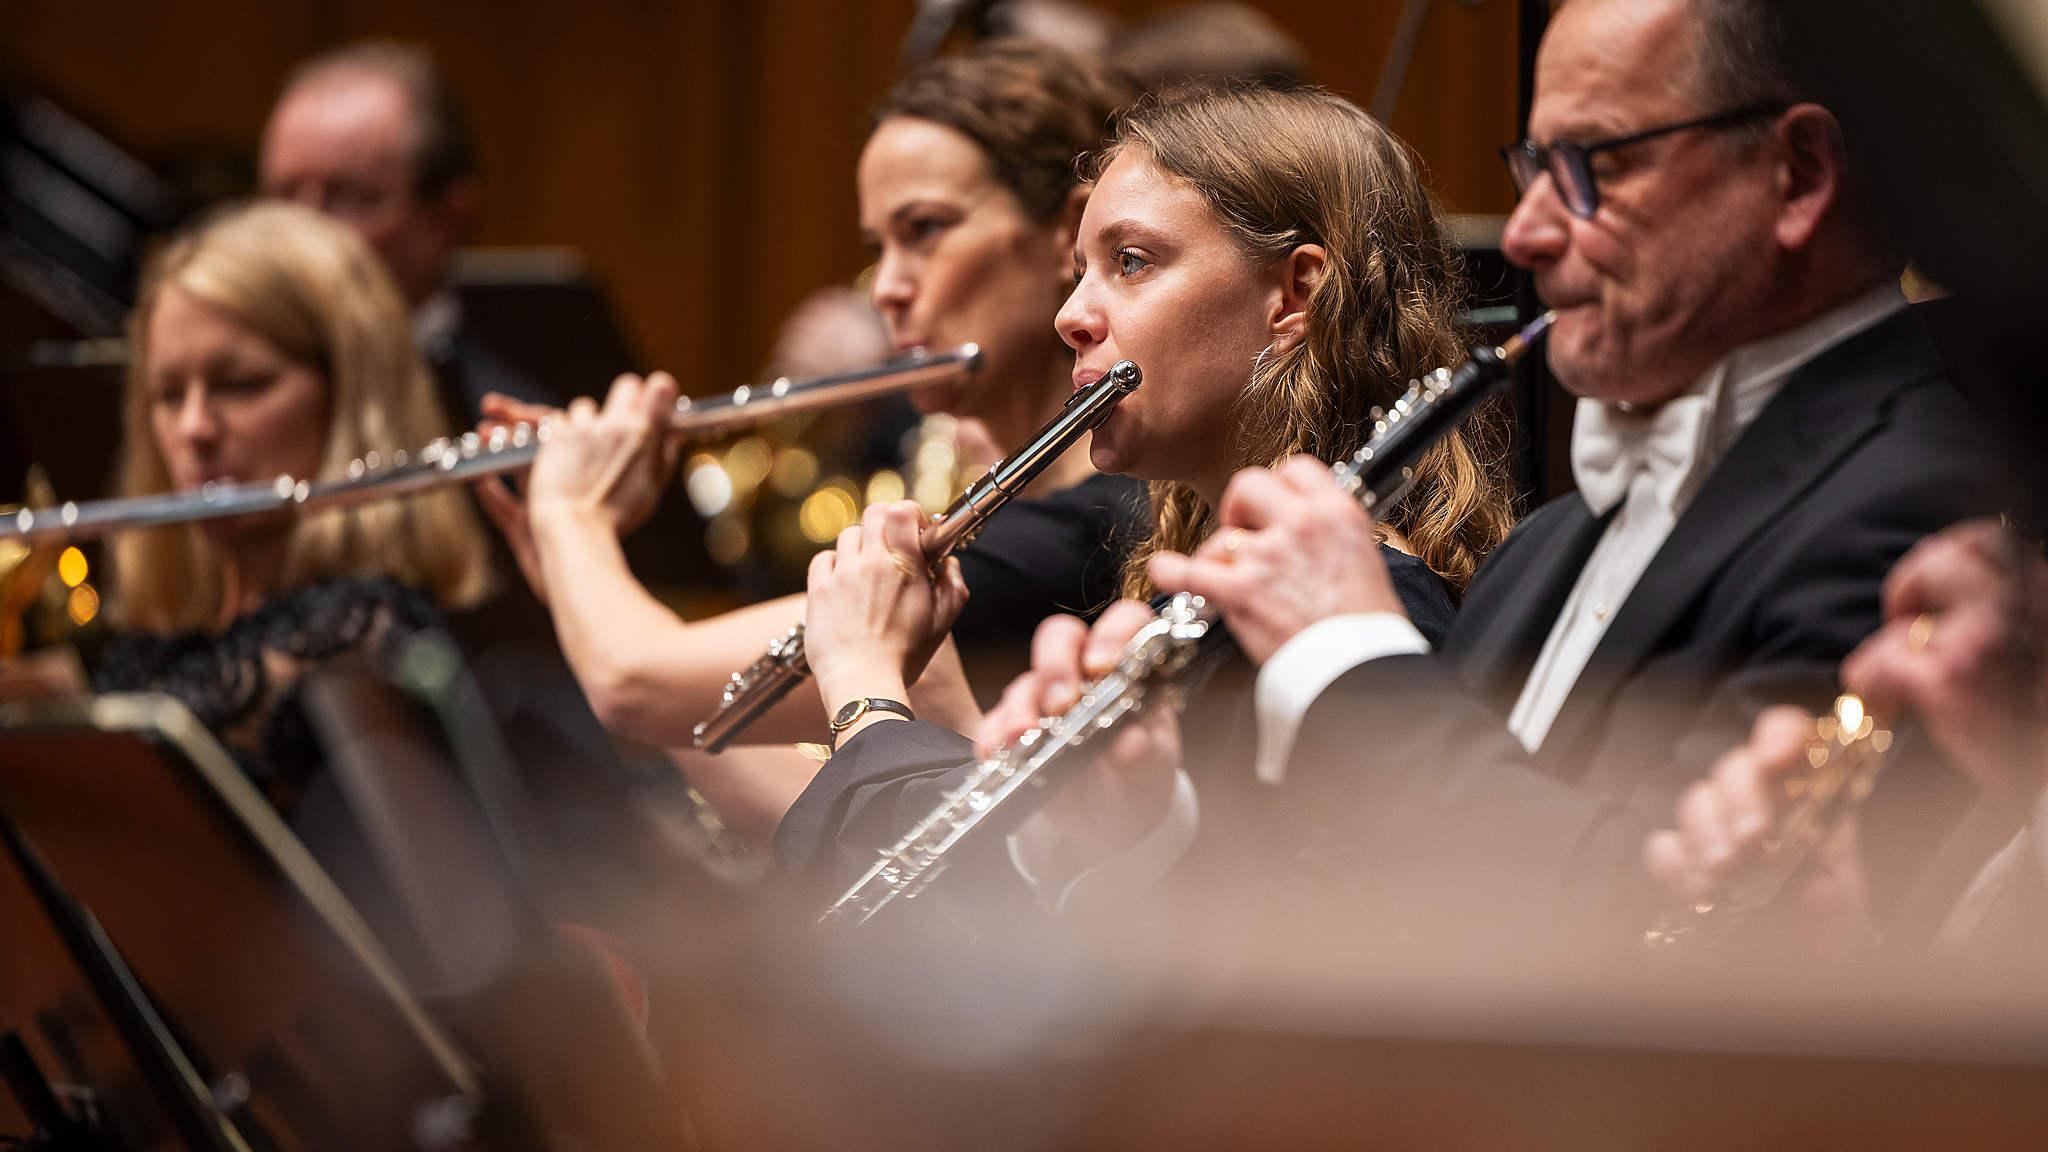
(945, 398)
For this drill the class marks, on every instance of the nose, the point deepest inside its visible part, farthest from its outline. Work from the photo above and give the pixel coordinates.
(894, 286)
(1081, 321)
(198, 423)
(1539, 230)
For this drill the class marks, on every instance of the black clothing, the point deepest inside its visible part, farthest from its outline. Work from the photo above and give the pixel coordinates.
(1407, 799)
(1769, 578)
(242, 683)
(888, 776)
(1041, 557)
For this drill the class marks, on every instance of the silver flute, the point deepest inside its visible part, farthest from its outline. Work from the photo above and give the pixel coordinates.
(454, 459)
(761, 684)
(999, 793)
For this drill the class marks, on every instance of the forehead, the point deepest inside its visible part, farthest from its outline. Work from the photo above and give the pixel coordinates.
(1609, 67)
(1135, 189)
(908, 159)
(184, 328)
(345, 120)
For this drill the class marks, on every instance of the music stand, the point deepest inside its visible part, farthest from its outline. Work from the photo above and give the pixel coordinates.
(246, 987)
(427, 777)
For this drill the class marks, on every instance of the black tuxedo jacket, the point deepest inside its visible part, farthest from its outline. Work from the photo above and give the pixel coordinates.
(1768, 579)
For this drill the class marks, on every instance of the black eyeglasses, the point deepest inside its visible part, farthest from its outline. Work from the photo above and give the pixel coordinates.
(1570, 163)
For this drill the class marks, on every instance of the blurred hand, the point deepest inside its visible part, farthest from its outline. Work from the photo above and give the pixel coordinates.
(1723, 820)
(873, 615)
(1124, 793)
(1291, 549)
(504, 499)
(611, 463)
(1965, 629)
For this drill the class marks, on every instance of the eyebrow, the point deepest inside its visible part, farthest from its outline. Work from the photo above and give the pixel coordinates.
(1119, 232)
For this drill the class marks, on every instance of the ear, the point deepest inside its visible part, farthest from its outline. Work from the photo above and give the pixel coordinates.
(1295, 277)
(1812, 167)
(1065, 232)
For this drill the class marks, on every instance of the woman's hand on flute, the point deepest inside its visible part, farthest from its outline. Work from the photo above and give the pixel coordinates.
(873, 615)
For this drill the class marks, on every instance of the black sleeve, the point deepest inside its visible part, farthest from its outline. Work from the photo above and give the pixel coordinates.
(880, 782)
(1458, 827)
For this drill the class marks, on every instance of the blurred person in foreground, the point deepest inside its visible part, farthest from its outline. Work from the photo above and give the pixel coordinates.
(1966, 626)
(1763, 430)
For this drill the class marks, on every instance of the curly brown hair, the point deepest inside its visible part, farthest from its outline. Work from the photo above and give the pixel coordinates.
(1032, 109)
(1283, 167)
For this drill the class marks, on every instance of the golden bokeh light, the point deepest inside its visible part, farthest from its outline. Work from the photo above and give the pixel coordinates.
(795, 470)
(83, 604)
(726, 538)
(71, 567)
(884, 487)
(828, 511)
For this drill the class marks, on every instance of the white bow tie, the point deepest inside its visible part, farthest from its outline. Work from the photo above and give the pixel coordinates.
(1610, 446)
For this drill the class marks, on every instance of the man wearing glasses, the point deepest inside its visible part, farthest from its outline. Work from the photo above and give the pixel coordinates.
(1763, 429)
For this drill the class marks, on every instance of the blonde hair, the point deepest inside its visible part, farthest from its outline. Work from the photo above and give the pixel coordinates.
(1281, 168)
(314, 290)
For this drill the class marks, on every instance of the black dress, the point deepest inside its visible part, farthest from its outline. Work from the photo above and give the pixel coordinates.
(242, 682)
(1039, 558)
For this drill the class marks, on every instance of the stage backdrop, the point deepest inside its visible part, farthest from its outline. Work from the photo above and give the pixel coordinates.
(699, 152)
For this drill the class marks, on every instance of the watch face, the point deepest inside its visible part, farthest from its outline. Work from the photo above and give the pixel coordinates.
(849, 712)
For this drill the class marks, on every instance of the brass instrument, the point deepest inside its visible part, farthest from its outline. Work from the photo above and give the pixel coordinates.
(451, 460)
(755, 689)
(1844, 756)
(1001, 791)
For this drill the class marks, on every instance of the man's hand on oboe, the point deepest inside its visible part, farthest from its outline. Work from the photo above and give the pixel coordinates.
(1291, 549)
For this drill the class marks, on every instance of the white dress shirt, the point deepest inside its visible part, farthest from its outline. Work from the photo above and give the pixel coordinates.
(1650, 463)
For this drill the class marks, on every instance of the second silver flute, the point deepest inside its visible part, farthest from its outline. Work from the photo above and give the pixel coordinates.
(755, 689)
(456, 459)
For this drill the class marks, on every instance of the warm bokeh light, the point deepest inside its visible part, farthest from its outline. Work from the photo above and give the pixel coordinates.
(748, 462)
(795, 470)
(885, 486)
(71, 568)
(708, 484)
(726, 538)
(83, 604)
(829, 511)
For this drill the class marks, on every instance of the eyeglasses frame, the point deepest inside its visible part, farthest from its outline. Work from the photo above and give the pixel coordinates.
(1580, 156)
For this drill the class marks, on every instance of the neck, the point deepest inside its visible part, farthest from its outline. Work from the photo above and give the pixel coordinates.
(251, 572)
(1018, 412)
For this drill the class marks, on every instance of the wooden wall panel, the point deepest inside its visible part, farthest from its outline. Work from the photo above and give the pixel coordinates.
(699, 152)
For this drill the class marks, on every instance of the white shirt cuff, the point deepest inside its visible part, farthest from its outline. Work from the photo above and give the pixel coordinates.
(1311, 661)
(1034, 849)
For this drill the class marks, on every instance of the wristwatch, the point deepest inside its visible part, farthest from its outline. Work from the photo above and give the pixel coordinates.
(853, 710)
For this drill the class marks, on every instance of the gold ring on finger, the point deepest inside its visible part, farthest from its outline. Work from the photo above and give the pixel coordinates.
(1233, 541)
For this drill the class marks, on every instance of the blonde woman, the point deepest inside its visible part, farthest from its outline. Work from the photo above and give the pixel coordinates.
(268, 340)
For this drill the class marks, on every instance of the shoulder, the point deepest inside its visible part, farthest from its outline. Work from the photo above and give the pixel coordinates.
(321, 619)
(1423, 594)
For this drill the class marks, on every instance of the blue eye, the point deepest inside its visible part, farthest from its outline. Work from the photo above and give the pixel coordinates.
(1130, 263)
